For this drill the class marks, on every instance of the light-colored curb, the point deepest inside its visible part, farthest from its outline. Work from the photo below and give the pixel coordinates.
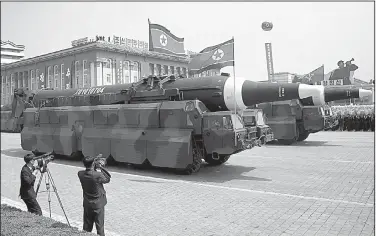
(22, 206)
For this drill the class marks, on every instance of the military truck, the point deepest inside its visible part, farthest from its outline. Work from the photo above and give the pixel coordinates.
(158, 121)
(255, 123)
(293, 120)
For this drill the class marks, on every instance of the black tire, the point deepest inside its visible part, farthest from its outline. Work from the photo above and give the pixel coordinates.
(222, 159)
(303, 136)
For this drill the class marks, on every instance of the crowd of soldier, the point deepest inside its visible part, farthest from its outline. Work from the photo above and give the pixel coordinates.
(354, 118)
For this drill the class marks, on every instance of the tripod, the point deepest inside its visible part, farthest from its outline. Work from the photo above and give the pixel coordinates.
(48, 180)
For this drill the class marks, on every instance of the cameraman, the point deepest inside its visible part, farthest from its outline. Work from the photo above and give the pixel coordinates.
(27, 192)
(92, 180)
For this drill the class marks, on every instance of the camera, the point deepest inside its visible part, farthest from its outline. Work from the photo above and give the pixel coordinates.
(43, 160)
(99, 162)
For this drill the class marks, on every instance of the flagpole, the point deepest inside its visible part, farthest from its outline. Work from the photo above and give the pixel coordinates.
(233, 53)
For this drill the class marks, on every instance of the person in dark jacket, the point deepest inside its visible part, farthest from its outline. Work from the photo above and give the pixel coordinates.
(94, 195)
(27, 192)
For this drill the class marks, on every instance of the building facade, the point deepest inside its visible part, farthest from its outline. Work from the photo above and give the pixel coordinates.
(84, 66)
(11, 52)
(283, 77)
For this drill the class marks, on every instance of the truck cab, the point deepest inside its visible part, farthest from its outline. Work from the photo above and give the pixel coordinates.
(223, 134)
(255, 123)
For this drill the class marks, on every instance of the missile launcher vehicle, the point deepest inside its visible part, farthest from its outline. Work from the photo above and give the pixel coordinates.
(159, 121)
(292, 121)
(255, 123)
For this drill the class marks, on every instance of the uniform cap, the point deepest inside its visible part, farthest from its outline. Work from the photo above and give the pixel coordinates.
(28, 157)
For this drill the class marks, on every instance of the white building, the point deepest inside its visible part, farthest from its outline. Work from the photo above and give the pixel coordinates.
(11, 52)
(283, 77)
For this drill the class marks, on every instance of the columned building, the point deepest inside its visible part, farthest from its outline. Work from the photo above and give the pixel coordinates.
(95, 63)
(11, 52)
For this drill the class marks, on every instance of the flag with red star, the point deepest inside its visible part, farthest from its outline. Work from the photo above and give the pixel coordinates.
(213, 57)
(317, 75)
(163, 41)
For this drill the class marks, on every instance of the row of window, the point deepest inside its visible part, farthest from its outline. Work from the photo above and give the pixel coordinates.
(81, 75)
(157, 69)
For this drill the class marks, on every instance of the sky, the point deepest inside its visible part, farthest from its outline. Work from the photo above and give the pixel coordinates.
(305, 35)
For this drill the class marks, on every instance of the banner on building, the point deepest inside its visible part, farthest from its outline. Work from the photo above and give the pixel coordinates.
(330, 82)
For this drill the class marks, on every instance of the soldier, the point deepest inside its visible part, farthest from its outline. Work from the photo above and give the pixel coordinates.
(92, 180)
(27, 192)
(340, 121)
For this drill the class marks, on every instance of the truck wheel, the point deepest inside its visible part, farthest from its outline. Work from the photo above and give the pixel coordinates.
(303, 136)
(214, 162)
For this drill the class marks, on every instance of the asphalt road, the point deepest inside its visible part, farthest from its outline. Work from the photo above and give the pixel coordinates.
(322, 186)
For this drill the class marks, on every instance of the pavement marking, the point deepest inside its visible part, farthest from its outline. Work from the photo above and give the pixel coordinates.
(228, 188)
(315, 160)
(60, 218)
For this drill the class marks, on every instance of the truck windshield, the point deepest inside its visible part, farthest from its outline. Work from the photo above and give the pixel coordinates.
(249, 120)
(237, 121)
(260, 118)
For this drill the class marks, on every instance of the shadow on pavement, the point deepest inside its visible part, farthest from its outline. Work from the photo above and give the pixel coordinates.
(306, 144)
(207, 173)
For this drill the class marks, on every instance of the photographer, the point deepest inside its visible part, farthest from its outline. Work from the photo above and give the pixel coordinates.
(27, 192)
(92, 180)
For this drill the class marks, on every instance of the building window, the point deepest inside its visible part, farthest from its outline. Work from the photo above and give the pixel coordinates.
(20, 79)
(11, 83)
(3, 87)
(151, 69)
(172, 70)
(56, 76)
(32, 82)
(184, 72)
(7, 89)
(177, 70)
(62, 80)
(126, 73)
(76, 74)
(135, 72)
(37, 74)
(165, 70)
(86, 82)
(26, 79)
(108, 71)
(49, 77)
(158, 70)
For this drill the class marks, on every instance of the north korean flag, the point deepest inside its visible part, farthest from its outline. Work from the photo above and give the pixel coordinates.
(163, 41)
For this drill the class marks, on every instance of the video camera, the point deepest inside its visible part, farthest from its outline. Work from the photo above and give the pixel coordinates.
(99, 162)
(43, 160)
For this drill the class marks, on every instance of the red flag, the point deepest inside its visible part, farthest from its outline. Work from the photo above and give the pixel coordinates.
(315, 76)
(162, 40)
(213, 57)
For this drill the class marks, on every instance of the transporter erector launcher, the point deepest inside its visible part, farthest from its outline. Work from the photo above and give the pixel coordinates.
(216, 92)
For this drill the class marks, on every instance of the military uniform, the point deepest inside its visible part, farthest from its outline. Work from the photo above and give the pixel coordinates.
(94, 196)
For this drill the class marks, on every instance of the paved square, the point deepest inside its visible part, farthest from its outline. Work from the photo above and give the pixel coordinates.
(322, 186)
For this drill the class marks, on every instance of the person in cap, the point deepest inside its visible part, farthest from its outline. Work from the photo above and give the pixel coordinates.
(27, 192)
(94, 195)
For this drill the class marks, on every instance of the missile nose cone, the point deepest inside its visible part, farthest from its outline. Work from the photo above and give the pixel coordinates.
(314, 91)
(364, 93)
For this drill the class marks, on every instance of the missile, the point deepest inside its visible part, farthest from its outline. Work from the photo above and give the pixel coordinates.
(335, 93)
(218, 93)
